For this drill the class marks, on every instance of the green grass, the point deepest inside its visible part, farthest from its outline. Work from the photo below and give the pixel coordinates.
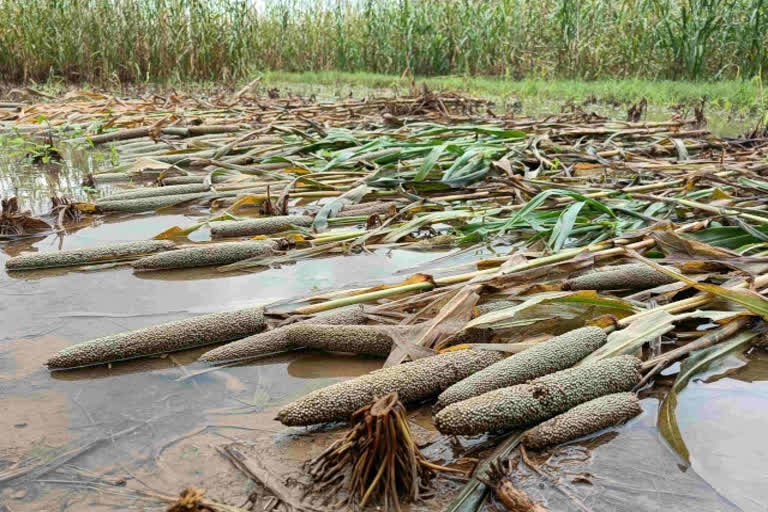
(724, 94)
(130, 41)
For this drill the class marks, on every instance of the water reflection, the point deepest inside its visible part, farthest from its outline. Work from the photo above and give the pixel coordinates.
(35, 184)
(723, 424)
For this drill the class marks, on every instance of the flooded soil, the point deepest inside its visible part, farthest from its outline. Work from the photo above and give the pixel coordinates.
(152, 426)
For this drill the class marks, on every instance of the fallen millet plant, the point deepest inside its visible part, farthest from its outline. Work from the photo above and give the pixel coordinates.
(587, 256)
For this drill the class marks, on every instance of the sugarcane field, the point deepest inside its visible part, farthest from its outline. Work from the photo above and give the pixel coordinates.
(274, 292)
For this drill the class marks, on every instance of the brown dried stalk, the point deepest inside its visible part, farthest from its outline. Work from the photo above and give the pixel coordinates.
(191, 500)
(499, 478)
(14, 221)
(377, 461)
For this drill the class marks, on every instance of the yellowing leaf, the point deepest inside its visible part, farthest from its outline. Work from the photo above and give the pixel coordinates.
(296, 237)
(720, 194)
(414, 279)
(85, 207)
(603, 321)
(169, 233)
(583, 166)
(295, 170)
(246, 200)
(455, 348)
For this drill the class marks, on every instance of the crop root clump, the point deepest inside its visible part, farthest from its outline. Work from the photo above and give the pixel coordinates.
(377, 461)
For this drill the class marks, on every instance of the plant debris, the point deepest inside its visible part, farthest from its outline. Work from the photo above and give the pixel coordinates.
(376, 462)
(191, 500)
(499, 478)
(15, 222)
(577, 243)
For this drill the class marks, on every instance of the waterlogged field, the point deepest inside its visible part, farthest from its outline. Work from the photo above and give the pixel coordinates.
(135, 433)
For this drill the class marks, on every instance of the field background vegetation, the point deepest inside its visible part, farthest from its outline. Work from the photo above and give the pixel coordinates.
(713, 48)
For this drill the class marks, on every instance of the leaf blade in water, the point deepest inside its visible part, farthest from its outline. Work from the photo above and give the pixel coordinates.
(695, 363)
(353, 196)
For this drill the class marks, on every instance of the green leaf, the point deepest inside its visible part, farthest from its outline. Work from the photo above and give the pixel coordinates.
(486, 130)
(507, 314)
(729, 237)
(460, 164)
(695, 363)
(352, 196)
(429, 162)
(543, 196)
(504, 317)
(592, 298)
(564, 225)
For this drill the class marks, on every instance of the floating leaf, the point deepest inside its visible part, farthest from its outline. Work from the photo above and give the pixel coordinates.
(172, 232)
(246, 200)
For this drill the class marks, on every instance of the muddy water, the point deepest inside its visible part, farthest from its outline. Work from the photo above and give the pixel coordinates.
(153, 425)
